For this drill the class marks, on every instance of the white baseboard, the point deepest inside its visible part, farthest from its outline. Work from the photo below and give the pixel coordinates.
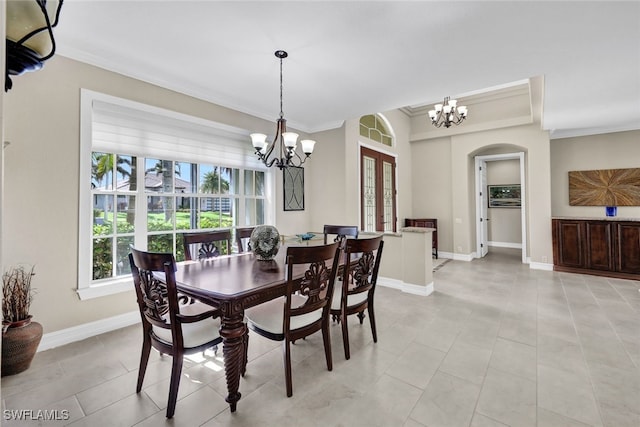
(464, 257)
(447, 255)
(505, 245)
(540, 266)
(422, 290)
(87, 330)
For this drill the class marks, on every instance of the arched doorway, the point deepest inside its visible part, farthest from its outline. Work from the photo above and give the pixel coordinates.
(482, 201)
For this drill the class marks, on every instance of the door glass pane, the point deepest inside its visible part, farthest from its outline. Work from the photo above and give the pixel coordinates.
(369, 194)
(387, 195)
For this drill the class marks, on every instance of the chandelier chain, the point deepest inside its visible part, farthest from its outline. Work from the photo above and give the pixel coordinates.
(281, 86)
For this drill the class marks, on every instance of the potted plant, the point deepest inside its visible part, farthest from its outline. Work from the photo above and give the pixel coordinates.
(20, 334)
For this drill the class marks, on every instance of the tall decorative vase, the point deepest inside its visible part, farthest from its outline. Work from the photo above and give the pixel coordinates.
(20, 342)
(265, 242)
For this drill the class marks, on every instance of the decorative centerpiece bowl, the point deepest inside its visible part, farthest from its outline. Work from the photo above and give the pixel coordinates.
(306, 236)
(265, 242)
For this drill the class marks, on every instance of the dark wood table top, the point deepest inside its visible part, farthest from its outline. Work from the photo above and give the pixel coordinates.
(236, 276)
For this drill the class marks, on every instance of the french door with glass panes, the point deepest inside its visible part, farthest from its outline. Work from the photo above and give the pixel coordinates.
(378, 190)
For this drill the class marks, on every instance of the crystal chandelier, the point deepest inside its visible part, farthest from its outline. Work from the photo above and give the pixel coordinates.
(286, 142)
(447, 113)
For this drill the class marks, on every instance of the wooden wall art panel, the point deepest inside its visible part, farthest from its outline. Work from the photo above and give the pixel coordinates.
(605, 187)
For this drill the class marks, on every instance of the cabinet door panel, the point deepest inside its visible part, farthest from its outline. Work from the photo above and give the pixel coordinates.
(570, 239)
(599, 246)
(628, 248)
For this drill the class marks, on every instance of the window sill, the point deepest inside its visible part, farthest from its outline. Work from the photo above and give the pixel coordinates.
(112, 287)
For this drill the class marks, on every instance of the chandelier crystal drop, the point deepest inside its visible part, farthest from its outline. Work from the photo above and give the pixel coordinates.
(285, 142)
(447, 113)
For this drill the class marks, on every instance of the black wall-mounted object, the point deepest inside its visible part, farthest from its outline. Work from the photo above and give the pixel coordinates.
(29, 33)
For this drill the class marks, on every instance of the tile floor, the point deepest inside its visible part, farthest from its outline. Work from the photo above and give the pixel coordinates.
(497, 344)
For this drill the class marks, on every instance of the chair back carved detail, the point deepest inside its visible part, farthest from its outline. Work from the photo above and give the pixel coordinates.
(207, 243)
(341, 232)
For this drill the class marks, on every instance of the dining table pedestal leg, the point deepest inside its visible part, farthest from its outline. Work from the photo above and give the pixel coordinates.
(232, 331)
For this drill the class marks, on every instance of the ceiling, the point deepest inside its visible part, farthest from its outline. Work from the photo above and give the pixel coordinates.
(350, 58)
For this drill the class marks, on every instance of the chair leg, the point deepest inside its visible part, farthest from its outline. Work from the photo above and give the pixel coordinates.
(372, 321)
(361, 316)
(287, 367)
(326, 337)
(176, 372)
(144, 359)
(345, 337)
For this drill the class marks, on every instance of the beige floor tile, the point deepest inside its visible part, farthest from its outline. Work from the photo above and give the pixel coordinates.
(508, 398)
(569, 394)
(514, 358)
(416, 365)
(126, 412)
(466, 361)
(480, 420)
(447, 401)
(551, 419)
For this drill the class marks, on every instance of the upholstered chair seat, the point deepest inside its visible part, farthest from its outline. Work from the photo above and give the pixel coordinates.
(270, 316)
(351, 299)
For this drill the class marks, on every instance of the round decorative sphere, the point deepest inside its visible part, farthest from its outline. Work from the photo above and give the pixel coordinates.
(265, 242)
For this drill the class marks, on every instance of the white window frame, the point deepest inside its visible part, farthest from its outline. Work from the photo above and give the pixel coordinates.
(199, 141)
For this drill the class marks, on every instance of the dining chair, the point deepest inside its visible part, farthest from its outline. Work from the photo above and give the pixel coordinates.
(168, 326)
(304, 309)
(341, 232)
(243, 234)
(358, 285)
(206, 243)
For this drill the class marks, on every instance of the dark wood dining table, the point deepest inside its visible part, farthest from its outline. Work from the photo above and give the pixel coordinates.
(234, 283)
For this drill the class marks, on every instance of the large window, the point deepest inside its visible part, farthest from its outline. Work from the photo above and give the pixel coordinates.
(147, 176)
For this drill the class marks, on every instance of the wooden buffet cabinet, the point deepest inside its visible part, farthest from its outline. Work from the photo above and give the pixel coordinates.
(604, 247)
(426, 223)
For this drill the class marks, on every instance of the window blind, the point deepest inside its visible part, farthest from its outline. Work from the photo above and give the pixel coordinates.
(123, 126)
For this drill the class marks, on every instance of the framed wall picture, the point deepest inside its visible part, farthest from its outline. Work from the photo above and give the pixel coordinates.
(293, 186)
(504, 196)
